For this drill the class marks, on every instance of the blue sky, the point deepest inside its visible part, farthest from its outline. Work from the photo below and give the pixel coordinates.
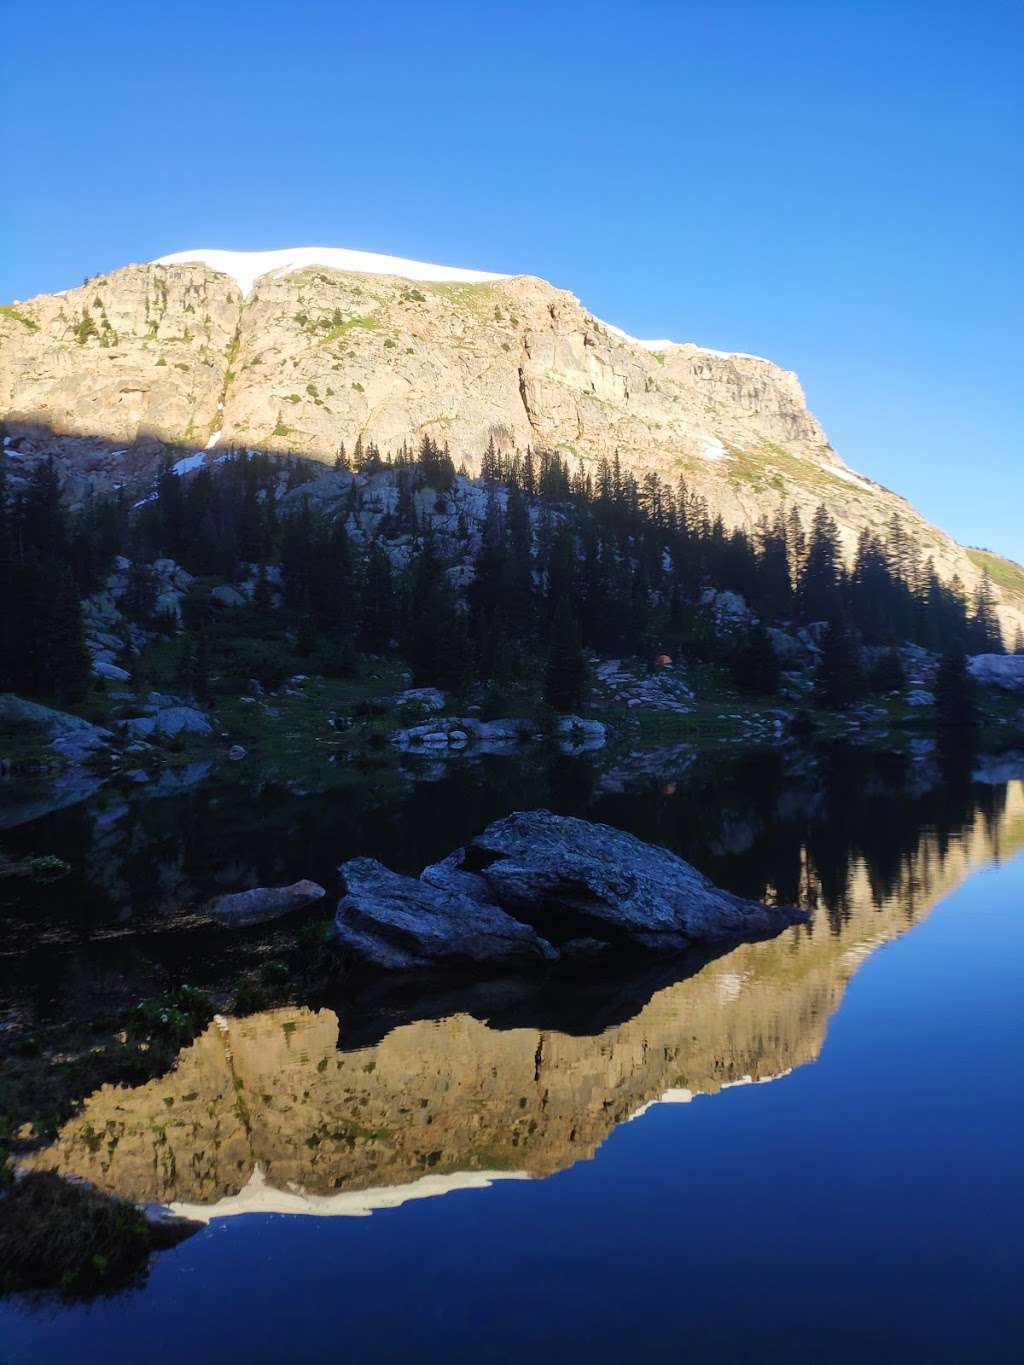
(837, 186)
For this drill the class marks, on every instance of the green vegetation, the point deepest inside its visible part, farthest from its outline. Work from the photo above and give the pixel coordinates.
(173, 1019)
(68, 1238)
(15, 314)
(1005, 573)
(336, 325)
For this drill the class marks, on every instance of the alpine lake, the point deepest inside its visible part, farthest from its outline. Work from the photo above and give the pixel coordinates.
(804, 1149)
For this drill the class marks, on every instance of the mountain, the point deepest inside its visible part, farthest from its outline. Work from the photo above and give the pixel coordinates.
(304, 349)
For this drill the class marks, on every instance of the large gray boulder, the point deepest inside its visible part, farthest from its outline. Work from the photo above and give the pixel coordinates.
(998, 670)
(537, 886)
(398, 922)
(571, 878)
(170, 721)
(262, 903)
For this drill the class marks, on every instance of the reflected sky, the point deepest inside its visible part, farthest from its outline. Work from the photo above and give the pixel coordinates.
(864, 1205)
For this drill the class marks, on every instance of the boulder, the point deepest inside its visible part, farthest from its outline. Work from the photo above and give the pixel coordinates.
(729, 609)
(1005, 671)
(226, 596)
(576, 725)
(571, 878)
(920, 696)
(177, 720)
(168, 603)
(428, 698)
(263, 903)
(396, 922)
(537, 886)
(111, 671)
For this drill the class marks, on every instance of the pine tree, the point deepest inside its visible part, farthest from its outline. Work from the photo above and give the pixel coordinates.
(818, 595)
(986, 635)
(262, 599)
(170, 506)
(839, 679)
(565, 681)
(954, 690)
(185, 672)
(68, 657)
(756, 666)
(457, 660)
(379, 608)
(7, 581)
(888, 673)
(202, 669)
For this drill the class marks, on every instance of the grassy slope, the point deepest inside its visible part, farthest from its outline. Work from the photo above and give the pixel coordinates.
(1006, 574)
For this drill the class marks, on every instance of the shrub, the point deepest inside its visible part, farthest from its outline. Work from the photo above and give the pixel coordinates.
(69, 1238)
(175, 1017)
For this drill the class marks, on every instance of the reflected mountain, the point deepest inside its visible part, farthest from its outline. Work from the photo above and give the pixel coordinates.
(276, 1112)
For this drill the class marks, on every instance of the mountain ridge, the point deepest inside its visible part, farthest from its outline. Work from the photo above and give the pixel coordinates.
(304, 356)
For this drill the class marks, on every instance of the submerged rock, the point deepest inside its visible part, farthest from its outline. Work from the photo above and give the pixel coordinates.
(540, 885)
(262, 903)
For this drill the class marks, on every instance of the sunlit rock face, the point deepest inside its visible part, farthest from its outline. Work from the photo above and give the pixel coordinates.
(307, 358)
(274, 1095)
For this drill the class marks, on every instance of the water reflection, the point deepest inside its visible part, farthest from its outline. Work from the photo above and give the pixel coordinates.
(272, 1111)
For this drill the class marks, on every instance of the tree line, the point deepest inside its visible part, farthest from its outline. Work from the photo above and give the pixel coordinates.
(564, 561)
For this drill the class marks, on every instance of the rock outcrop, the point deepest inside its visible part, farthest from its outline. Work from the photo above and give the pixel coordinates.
(540, 886)
(262, 903)
(106, 374)
(70, 736)
(396, 922)
(1005, 671)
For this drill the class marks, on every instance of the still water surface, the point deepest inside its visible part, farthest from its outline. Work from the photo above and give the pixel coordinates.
(807, 1150)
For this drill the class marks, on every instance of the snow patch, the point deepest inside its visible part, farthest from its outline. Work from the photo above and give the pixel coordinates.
(246, 267)
(661, 345)
(714, 449)
(727, 355)
(848, 476)
(664, 345)
(186, 465)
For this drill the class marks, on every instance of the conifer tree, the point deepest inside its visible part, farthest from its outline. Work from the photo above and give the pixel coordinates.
(839, 679)
(954, 690)
(201, 687)
(379, 614)
(888, 673)
(68, 659)
(818, 593)
(262, 599)
(565, 681)
(986, 635)
(756, 665)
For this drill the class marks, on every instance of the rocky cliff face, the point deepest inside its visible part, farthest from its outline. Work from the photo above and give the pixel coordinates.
(273, 1093)
(312, 357)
